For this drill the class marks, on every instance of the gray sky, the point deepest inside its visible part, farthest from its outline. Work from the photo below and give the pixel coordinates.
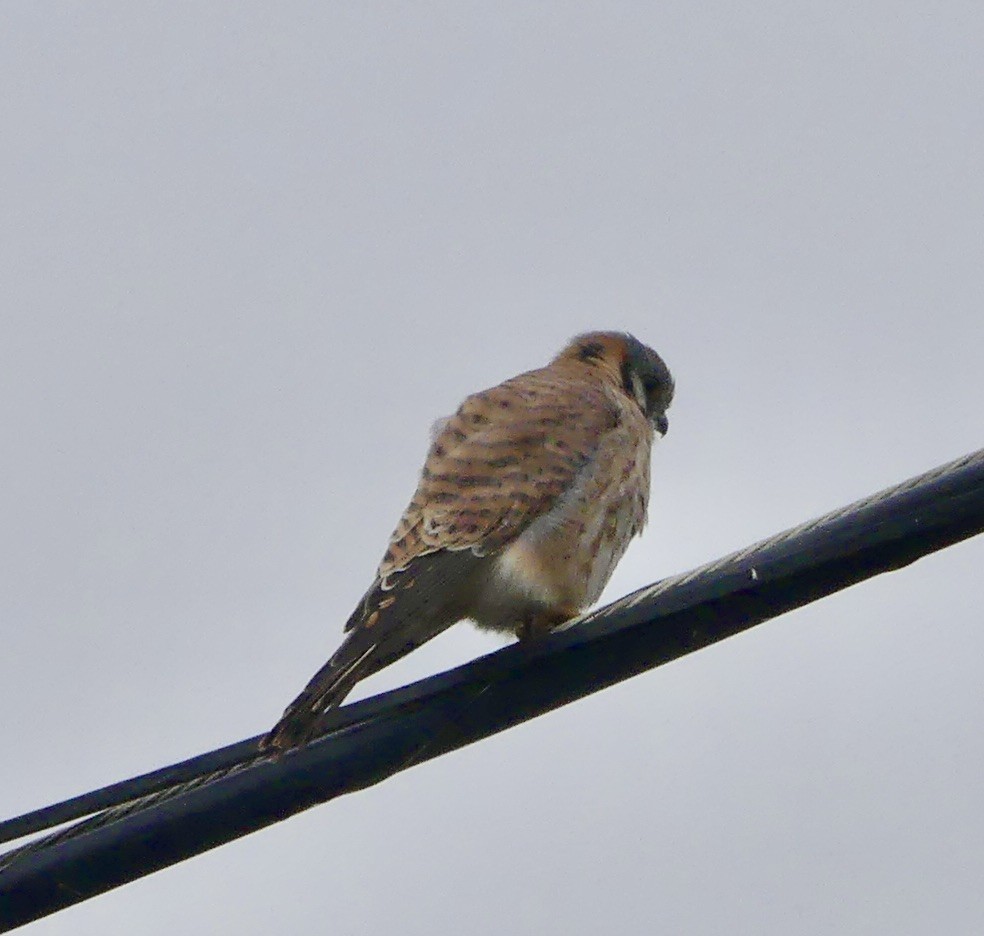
(248, 253)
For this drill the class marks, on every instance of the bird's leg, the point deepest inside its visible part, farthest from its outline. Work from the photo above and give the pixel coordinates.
(537, 625)
(526, 630)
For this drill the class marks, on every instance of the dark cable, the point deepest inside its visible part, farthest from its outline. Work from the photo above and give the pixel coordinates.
(232, 792)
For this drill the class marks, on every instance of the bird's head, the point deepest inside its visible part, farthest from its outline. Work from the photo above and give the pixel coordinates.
(638, 369)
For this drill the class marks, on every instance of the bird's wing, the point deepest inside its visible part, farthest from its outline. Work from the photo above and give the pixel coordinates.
(501, 461)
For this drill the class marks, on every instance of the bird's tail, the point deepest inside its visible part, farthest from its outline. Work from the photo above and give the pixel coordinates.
(387, 624)
(326, 689)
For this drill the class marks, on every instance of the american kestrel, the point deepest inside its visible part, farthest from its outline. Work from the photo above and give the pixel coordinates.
(528, 498)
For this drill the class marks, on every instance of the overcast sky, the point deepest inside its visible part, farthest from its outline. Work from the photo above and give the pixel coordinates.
(249, 251)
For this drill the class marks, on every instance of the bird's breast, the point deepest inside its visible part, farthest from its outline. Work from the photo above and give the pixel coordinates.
(564, 559)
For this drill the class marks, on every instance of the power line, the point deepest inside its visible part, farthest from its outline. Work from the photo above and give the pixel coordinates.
(208, 801)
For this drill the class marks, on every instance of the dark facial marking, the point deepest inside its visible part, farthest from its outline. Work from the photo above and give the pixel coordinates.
(591, 350)
(627, 379)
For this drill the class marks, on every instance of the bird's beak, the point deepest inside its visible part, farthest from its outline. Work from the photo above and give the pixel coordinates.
(662, 424)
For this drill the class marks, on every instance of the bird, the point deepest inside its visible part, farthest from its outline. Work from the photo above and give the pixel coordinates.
(529, 496)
